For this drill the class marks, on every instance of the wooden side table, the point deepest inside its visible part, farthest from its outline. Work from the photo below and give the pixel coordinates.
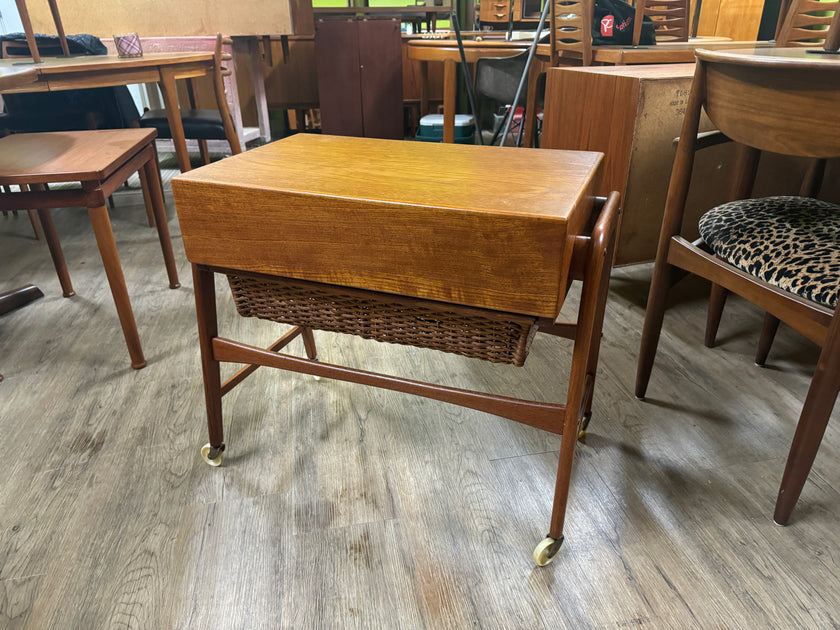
(460, 248)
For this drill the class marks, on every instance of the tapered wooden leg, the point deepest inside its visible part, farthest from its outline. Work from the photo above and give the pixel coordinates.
(813, 420)
(36, 224)
(147, 200)
(765, 342)
(204, 151)
(152, 192)
(604, 237)
(101, 223)
(662, 280)
(585, 353)
(57, 254)
(717, 300)
(173, 116)
(205, 308)
(309, 343)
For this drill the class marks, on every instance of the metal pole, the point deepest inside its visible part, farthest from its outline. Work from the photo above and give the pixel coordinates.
(524, 76)
(456, 26)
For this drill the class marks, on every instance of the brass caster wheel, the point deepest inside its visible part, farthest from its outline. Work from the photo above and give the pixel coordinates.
(213, 456)
(546, 550)
(584, 424)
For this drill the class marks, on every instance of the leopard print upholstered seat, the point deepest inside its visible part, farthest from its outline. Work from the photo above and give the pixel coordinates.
(790, 242)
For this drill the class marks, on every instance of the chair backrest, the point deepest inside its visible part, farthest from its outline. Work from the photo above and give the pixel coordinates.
(498, 77)
(23, 13)
(806, 23)
(571, 29)
(219, 73)
(670, 19)
(802, 99)
(832, 38)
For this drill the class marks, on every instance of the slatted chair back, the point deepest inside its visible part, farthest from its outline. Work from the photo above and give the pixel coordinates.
(670, 19)
(571, 29)
(806, 23)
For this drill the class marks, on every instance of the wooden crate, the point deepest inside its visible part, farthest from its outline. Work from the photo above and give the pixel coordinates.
(486, 227)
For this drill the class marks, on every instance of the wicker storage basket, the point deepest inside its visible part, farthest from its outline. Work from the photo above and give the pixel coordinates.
(481, 334)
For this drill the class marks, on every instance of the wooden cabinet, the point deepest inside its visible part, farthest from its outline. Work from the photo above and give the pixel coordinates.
(360, 77)
(633, 114)
(496, 13)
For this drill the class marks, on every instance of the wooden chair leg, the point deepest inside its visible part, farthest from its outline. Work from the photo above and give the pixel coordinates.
(101, 223)
(36, 224)
(768, 333)
(813, 420)
(147, 200)
(717, 300)
(663, 278)
(205, 308)
(153, 192)
(204, 151)
(56, 253)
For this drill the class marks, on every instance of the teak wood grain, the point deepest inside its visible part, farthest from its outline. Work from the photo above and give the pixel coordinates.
(459, 224)
(66, 156)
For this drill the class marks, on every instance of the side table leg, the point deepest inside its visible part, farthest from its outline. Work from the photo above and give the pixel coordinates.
(101, 223)
(208, 329)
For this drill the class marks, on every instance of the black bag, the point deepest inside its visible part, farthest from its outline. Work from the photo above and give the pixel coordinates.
(612, 23)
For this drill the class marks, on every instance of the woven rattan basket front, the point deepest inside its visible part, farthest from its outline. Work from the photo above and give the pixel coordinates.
(477, 333)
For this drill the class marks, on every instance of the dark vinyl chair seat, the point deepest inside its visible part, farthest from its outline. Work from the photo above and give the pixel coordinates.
(199, 124)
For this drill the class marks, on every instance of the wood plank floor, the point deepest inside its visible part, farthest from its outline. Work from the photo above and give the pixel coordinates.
(341, 506)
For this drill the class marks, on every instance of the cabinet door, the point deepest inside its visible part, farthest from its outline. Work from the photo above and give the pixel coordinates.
(380, 61)
(339, 78)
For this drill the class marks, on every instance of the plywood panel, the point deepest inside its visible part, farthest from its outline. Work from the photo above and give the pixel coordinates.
(166, 18)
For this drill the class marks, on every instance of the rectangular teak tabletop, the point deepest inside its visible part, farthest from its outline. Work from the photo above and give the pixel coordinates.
(489, 227)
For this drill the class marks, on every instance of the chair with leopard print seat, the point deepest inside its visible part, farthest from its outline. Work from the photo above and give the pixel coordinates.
(804, 23)
(781, 253)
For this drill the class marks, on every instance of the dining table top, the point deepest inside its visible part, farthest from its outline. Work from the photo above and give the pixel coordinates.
(664, 52)
(780, 57)
(90, 63)
(12, 76)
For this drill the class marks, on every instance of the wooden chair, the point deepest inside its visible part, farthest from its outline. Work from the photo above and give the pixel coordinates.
(101, 161)
(202, 124)
(670, 18)
(495, 86)
(801, 24)
(805, 23)
(571, 29)
(802, 90)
